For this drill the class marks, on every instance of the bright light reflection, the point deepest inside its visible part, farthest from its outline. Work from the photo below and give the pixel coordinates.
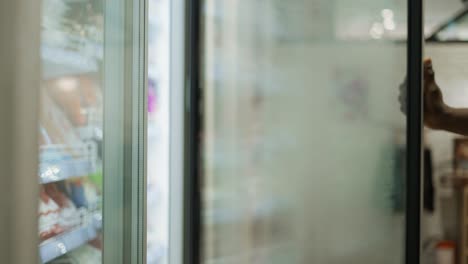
(377, 30)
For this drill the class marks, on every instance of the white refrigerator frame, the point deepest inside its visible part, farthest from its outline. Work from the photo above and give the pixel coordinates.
(176, 146)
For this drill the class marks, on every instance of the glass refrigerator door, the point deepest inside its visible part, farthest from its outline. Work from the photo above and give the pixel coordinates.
(71, 132)
(91, 170)
(303, 142)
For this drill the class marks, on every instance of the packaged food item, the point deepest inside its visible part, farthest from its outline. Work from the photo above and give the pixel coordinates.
(56, 128)
(66, 93)
(69, 216)
(78, 193)
(97, 180)
(49, 215)
(90, 91)
(74, 189)
(75, 95)
(92, 195)
(446, 252)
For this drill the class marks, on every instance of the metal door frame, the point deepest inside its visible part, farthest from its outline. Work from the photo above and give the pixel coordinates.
(414, 130)
(125, 129)
(192, 186)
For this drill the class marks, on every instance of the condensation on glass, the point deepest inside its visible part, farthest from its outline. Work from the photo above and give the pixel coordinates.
(303, 147)
(70, 132)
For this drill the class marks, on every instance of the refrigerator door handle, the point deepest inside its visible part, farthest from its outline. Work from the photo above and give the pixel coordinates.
(414, 130)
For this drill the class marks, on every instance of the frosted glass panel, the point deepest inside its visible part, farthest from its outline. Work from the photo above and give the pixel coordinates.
(303, 141)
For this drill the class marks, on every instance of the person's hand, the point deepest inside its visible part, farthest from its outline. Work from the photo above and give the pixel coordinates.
(403, 95)
(434, 106)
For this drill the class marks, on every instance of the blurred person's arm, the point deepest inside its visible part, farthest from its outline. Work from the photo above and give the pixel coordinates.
(438, 115)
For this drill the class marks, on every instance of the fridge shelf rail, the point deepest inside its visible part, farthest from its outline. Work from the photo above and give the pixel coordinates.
(61, 162)
(62, 244)
(61, 171)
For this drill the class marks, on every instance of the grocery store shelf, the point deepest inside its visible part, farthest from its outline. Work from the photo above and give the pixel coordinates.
(60, 162)
(62, 244)
(64, 170)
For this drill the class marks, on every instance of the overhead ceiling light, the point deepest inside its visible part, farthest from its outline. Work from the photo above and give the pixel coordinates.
(387, 14)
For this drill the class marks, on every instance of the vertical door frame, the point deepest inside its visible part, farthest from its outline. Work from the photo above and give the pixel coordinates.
(414, 130)
(20, 80)
(193, 119)
(125, 126)
(176, 128)
(114, 133)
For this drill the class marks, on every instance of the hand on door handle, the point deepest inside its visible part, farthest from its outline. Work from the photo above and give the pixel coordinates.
(437, 115)
(435, 110)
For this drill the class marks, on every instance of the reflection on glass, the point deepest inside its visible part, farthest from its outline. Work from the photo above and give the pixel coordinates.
(70, 173)
(455, 30)
(303, 144)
